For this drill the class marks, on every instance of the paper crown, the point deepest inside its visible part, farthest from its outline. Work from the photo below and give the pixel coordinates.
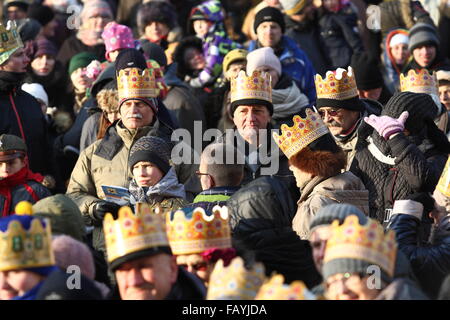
(444, 182)
(275, 289)
(235, 282)
(368, 242)
(9, 40)
(337, 85)
(256, 86)
(131, 233)
(20, 248)
(200, 232)
(419, 82)
(303, 132)
(134, 83)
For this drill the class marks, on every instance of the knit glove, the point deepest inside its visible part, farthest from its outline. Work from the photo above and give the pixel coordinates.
(387, 126)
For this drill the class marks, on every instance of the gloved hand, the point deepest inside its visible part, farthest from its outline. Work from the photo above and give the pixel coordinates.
(101, 208)
(387, 126)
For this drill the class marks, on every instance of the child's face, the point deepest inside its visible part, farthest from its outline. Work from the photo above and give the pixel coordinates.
(444, 95)
(80, 80)
(331, 5)
(194, 59)
(146, 174)
(10, 167)
(234, 69)
(400, 53)
(201, 27)
(155, 31)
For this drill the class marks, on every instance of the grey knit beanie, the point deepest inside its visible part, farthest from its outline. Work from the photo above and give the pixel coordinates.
(151, 149)
(338, 211)
(423, 34)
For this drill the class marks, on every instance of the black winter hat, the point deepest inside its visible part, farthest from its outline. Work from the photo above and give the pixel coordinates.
(367, 72)
(130, 58)
(43, 14)
(422, 34)
(156, 11)
(151, 149)
(269, 14)
(420, 106)
(28, 28)
(154, 52)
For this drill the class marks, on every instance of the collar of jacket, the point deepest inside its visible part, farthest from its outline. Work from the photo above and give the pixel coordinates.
(116, 136)
(10, 80)
(309, 187)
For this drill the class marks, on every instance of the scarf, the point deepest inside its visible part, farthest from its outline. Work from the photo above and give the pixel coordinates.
(167, 187)
(287, 102)
(10, 80)
(19, 178)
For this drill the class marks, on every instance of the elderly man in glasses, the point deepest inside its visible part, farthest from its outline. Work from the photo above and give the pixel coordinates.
(343, 111)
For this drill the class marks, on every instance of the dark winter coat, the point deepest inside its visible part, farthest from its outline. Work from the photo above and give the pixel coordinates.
(21, 115)
(90, 130)
(261, 219)
(431, 263)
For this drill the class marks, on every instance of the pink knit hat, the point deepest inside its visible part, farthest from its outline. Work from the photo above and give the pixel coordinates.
(117, 36)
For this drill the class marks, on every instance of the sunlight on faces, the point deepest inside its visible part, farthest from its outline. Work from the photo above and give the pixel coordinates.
(136, 114)
(201, 27)
(249, 119)
(424, 55)
(146, 174)
(17, 62)
(43, 65)
(194, 263)
(10, 167)
(318, 241)
(273, 74)
(155, 31)
(80, 80)
(269, 33)
(349, 286)
(300, 175)
(147, 278)
(400, 53)
(112, 56)
(16, 13)
(444, 95)
(112, 116)
(194, 59)
(17, 283)
(234, 69)
(97, 21)
(338, 120)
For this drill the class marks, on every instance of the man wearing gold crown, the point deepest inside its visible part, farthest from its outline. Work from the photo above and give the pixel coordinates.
(343, 111)
(140, 256)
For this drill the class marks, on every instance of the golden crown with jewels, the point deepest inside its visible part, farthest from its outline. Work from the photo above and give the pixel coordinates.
(22, 248)
(368, 242)
(235, 282)
(303, 132)
(131, 233)
(257, 86)
(444, 182)
(200, 232)
(10, 40)
(276, 289)
(419, 82)
(337, 85)
(134, 83)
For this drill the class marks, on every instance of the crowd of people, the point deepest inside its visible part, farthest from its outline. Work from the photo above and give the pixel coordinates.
(313, 164)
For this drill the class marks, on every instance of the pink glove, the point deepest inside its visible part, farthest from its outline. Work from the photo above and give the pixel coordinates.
(93, 70)
(387, 126)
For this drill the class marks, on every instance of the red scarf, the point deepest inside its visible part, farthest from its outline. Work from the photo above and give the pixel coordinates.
(20, 177)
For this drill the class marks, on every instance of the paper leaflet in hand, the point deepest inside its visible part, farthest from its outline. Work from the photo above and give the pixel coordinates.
(116, 194)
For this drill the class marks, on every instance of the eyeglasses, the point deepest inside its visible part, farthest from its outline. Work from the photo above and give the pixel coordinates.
(202, 174)
(331, 112)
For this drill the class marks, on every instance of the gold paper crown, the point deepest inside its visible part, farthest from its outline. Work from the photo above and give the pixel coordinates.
(9, 37)
(362, 242)
(20, 248)
(200, 232)
(444, 182)
(421, 82)
(275, 289)
(256, 86)
(136, 84)
(303, 132)
(131, 233)
(338, 85)
(235, 282)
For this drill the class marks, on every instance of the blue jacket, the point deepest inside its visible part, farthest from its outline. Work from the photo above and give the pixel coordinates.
(296, 64)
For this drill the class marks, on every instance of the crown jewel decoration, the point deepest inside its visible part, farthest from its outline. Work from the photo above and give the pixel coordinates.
(444, 182)
(131, 233)
(256, 86)
(20, 248)
(362, 242)
(235, 282)
(303, 132)
(134, 83)
(200, 232)
(419, 82)
(337, 85)
(10, 40)
(276, 289)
